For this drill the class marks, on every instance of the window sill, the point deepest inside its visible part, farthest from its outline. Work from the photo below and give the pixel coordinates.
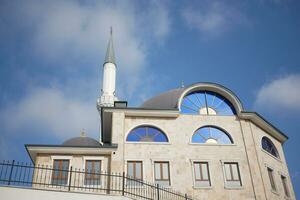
(200, 144)
(275, 192)
(151, 143)
(271, 155)
(205, 188)
(234, 187)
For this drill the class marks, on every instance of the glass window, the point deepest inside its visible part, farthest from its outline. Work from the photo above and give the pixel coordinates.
(134, 171)
(268, 145)
(146, 134)
(201, 171)
(285, 186)
(92, 172)
(232, 174)
(206, 103)
(271, 177)
(211, 135)
(60, 172)
(162, 173)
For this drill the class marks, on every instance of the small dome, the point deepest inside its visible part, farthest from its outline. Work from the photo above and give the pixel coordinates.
(82, 142)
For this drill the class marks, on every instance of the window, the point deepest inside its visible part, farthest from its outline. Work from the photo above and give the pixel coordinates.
(232, 174)
(271, 177)
(92, 172)
(268, 146)
(211, 135)
(206, 103)
(146, 134)
(134, 171)
(60, 172)
(201, 171)
(285, 186)
(162, 173)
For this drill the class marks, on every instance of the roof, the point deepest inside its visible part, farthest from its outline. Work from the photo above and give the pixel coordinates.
(166, 100)
(82, 142)
(110, 53)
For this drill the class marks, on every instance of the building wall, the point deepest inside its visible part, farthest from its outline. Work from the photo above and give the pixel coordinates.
(180, 153)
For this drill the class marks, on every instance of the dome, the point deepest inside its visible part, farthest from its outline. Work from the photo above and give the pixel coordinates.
(82, 142)
(166, 100)
(172, 99)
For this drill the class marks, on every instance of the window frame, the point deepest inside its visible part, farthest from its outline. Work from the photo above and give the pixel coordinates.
(128, 182)
(161, 174)
(54, 158)
(285, 185)
(193, 162)
(272, 182)
(227, 184)
(206, 92)
(277, 157)
(149, 125)
(93, 158)
(208, 144)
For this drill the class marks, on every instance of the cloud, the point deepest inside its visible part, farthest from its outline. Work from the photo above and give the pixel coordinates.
(72, 35)
(48, 110)
(59, 47)
(280, 94)
(213, 18)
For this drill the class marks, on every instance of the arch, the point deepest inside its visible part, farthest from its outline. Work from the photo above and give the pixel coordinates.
(146, 133)
(211, 135)
(227, 95)
(269, 146)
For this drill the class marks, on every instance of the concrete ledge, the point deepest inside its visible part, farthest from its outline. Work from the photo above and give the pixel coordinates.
(9, 193)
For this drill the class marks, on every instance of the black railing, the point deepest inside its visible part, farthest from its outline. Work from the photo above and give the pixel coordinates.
(78, 180)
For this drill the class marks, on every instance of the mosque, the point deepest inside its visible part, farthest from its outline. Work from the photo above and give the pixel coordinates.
(196, 139)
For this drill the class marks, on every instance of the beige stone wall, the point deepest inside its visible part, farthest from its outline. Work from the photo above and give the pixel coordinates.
(279, 165)
(44, 165)
(180, 153)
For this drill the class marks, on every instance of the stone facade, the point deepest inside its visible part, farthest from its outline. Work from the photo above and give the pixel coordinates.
(180, 153)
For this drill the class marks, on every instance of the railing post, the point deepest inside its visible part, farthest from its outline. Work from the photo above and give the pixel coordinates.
(186, 197)
(11, 171)
(157, 191)
(70, 179)
(123, 184)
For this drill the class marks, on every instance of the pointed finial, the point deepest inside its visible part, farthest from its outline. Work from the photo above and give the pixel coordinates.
(182, 84)
(110, 53)
(111, 31)
(82, 133)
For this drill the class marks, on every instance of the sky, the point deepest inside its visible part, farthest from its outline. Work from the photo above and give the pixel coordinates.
(52, 52)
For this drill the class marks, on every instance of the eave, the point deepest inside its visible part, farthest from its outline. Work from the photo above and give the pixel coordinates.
(34, 149)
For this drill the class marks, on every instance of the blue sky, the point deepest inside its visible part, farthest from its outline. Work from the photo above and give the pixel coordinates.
(51, 55)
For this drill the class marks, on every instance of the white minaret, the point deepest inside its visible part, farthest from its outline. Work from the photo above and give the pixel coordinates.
(108, 91)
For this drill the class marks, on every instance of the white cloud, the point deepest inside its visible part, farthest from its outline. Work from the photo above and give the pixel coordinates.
(213, 18)
(66, 33)
(70, 39)
(280, 94)
(49, 111)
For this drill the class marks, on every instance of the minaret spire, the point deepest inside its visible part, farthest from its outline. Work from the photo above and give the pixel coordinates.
(108, 97)
(110, 53)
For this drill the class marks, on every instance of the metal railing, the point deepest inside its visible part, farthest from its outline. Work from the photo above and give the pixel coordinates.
(78, 180)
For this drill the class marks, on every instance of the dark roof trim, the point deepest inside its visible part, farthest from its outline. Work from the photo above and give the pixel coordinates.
(54, 145)
(279, 131)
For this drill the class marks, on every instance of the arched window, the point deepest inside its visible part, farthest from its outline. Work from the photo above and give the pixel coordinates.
(268, 145)
(206, 103)
(211, 135)
(146, 134)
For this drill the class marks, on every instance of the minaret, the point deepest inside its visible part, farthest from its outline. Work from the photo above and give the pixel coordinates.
(109, 77)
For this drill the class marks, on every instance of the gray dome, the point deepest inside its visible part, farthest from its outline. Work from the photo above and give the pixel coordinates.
(166, 100)
(82, 142)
